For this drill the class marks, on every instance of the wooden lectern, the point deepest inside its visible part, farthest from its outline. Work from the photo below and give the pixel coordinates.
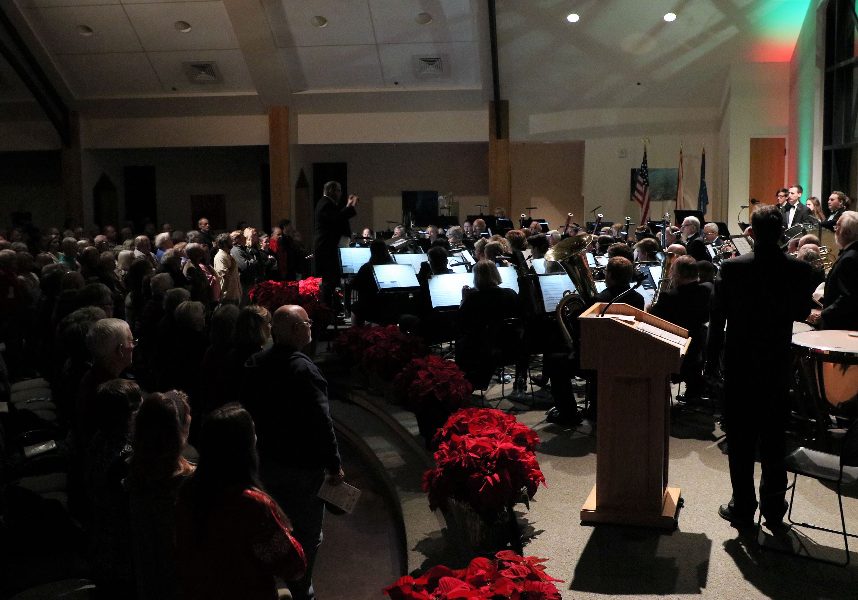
(634, 354)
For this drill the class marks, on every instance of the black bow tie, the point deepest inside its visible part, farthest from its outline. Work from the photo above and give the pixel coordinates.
(789, 206)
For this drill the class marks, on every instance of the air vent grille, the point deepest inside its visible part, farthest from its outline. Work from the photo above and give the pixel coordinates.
(431, 65)
(202, 72)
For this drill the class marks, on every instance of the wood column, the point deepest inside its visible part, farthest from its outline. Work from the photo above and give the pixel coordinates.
(500, 181)
(278, 156)
(72, 172)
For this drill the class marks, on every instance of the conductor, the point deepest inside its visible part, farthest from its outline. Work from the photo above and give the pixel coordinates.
(332, 224)
(759, 295)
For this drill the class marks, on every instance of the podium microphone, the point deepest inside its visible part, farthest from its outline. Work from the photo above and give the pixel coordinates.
(640, 281)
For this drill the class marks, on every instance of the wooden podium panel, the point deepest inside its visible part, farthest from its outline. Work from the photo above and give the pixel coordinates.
(634, 358)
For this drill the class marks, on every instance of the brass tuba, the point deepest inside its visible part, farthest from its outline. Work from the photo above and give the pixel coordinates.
(571, 253)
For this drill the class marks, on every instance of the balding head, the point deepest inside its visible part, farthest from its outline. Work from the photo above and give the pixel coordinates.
(290, 326)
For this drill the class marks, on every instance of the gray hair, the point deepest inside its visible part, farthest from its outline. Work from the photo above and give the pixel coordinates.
(105, 336)
(486, 275)
(455, 233)
(693, 221)
(160, 283)
(711, 227)
(848, 226)
(161, 239)
(124, 259)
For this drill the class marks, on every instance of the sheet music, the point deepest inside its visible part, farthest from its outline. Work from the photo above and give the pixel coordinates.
(455, 263)
(552, 288)
(390, 277)
(601, 286)
(509, 278)
(446, 290)
(464, 256)
(656, 274)
(661, 334)
(741, 244)
(353, 259)
(601, 261)
(415, 260)
(539, 265)
(343, 496)
(591, 260)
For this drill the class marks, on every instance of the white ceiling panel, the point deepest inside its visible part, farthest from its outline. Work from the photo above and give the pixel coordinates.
(461, 63)
(109, 75)
(395, 21)
(348, 23)
(59, 29)
(211, 28)
(230, 64)
(51, 3)
(340, 67)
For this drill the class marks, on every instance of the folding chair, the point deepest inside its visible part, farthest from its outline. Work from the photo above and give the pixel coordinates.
(822, 466)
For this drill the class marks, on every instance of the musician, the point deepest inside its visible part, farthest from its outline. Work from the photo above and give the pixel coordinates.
(794, 212)
(432, 233)
(479, 228)
(694, 244)
(621, 249)
(815, 208)
(781, 197)
(646, 250)
(497, 253)
(618, 277)
(368, 307)
(365, 239)
(840, 302)
(838, 202)
(711, 235)
(398, 233)
(538, 245)
(758, 297)
(686, 303)
(481, 317)
(455, 237)
(534, 228)
(467, 230)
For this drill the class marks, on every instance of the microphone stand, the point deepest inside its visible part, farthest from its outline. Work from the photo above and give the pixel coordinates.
(626, 292)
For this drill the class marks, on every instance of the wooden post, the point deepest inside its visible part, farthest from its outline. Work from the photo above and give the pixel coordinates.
(500, 181)
(72, 167)
(278, 154)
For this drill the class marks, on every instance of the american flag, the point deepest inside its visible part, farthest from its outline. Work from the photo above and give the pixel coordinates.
(679, 191)
(642, 189)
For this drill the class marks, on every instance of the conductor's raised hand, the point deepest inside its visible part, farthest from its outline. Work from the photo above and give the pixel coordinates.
(352, 201)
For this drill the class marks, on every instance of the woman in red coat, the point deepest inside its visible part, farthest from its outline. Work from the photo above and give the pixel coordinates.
(232, 537)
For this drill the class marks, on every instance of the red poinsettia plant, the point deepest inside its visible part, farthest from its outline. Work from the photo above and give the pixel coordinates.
(488, 472)
(432, 382)
(351, 342)
(508, 575)
(305, 293)
(487, 422)
(387, 350)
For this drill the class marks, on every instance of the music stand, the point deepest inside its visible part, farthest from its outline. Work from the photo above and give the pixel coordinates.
(352, 259)
(395, 278)
(552, 287)
(445, 291)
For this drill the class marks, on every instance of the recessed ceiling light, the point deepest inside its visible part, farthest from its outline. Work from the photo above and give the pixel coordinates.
(319, 21)
(182, 26)
(573, 17)
(85, 30)
(423, 18)
(670, 17)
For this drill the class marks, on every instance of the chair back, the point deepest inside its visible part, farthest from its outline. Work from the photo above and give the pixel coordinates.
(849, 450)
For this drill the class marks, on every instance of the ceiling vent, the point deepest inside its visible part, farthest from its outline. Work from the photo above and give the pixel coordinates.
(429, 65)
(202, 72)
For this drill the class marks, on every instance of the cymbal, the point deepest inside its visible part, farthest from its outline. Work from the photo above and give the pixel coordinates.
(569, 247)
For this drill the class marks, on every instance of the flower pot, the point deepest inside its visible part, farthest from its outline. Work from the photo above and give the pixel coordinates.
(474, 534)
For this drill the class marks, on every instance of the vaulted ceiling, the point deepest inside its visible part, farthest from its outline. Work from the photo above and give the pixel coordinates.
(232, 56)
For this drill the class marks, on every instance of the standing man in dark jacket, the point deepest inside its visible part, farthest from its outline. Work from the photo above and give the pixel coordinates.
(840, 302)
(759, 296)
(332, 224)
(298, 449)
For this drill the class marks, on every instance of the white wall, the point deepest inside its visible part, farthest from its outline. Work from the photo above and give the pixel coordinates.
(758, 106)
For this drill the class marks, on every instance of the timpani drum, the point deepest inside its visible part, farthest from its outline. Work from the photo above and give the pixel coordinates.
(834, 355)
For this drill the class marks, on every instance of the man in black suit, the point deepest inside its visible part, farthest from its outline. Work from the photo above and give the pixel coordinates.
(694, 244)
(687, 304)
(759, 296)
(332, 224)
(794, 212)
(711, 235)
(840, 302)
(618, 277)
(838, 203)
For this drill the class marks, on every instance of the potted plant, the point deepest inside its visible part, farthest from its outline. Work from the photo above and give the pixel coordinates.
(507, 575)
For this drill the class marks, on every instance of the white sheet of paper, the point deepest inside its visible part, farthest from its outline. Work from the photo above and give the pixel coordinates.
(342, 496)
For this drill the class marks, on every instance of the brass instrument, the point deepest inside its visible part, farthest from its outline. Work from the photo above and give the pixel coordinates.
(567, 311)
(571, 253)
(663, 284)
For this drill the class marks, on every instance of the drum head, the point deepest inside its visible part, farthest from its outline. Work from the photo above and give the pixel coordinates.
(831, 345)
(800, 327)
